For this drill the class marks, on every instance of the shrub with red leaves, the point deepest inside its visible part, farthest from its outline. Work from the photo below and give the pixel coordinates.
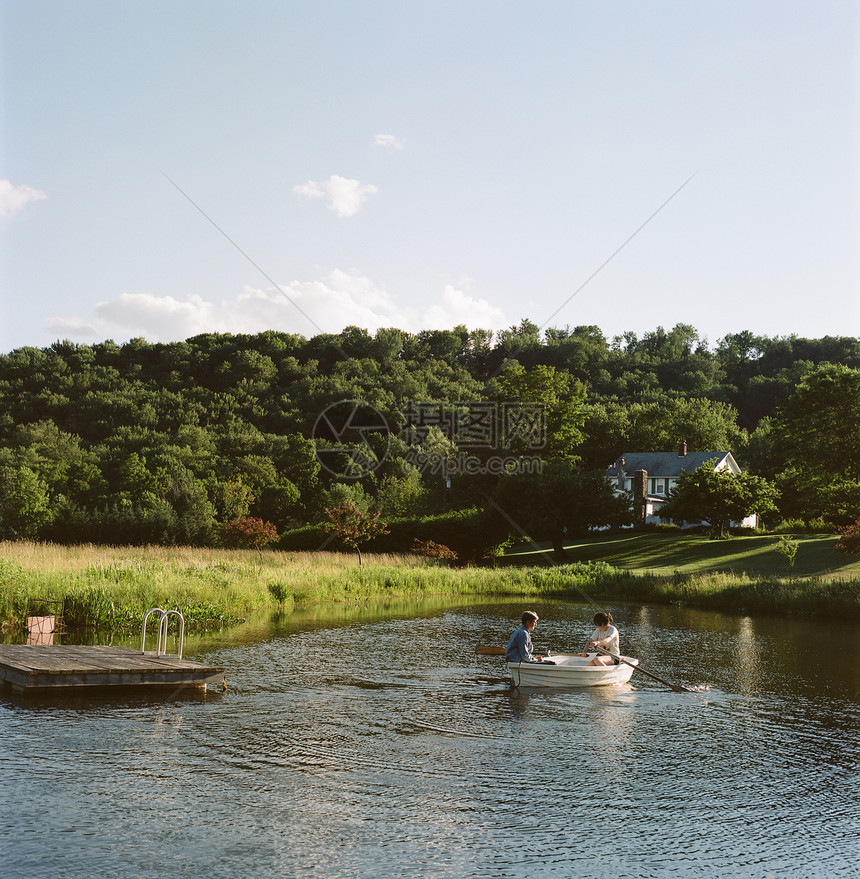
(432, 550)
(849, 538)
(250, 532)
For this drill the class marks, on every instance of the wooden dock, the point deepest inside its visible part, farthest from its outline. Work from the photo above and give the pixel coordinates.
(29, 668)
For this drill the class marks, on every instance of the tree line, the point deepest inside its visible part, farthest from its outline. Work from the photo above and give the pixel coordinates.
(169, 443)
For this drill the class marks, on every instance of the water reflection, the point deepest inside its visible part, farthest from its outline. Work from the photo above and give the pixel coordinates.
(375, 742)
(747, 661)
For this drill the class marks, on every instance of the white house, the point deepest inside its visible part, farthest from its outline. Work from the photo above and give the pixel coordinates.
(650, 476)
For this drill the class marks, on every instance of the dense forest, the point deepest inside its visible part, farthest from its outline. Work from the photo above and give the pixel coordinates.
(169, 443)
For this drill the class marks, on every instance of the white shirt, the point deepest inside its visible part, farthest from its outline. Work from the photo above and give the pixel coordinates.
(608, 640)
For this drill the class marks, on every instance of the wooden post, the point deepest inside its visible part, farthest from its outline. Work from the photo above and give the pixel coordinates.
(40, 630)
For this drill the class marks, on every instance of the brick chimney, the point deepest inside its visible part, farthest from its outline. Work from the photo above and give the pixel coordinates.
(682, 449)
(640, 495)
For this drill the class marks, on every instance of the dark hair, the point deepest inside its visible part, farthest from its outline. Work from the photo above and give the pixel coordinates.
(529, 616)
(602, 619)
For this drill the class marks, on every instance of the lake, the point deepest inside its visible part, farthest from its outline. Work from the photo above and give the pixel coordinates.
(372, 742)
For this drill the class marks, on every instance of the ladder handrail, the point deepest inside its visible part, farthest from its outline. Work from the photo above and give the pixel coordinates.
(162, 632)
(161, 646)
(143, 632)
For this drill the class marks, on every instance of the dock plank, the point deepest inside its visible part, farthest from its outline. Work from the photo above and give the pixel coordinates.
(30, 667)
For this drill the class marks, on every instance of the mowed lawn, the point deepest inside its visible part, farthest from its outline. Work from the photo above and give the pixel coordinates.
(696, 553)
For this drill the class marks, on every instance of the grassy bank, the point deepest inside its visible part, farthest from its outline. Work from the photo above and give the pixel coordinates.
(754, 555)
(112, 587)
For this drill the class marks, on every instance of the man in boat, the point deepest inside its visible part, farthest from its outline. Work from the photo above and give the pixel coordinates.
(519, 647)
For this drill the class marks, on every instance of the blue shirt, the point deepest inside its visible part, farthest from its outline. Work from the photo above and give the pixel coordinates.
(519, 647)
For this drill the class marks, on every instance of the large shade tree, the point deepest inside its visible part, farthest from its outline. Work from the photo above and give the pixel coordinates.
(560, 501)
(817, 435)
(25, 505)
(718, 497)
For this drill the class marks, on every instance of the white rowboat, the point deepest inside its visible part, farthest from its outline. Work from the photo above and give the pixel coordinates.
(571, 670)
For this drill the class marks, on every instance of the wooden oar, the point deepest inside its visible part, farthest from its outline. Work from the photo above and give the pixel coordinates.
(676, 687)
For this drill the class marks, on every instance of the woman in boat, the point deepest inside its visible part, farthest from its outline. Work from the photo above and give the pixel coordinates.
(519, 647)
(605, 636)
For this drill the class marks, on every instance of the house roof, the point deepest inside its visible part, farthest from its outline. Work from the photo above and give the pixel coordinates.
(668, 465)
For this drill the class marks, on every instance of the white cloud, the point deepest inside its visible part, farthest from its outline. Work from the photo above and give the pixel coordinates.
(311, 307)
(13, 198)
(72, 328)
(458, 307)
(305, 307)
(161, 318)
(340, 299)
(390, 141)
(343, 195)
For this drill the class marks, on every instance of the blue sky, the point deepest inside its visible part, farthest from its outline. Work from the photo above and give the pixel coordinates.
(172, 168)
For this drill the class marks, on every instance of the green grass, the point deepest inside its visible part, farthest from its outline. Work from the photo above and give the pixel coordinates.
(697, 554)
(111, 588)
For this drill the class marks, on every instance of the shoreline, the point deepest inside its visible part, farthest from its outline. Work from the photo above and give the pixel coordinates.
(110, 588)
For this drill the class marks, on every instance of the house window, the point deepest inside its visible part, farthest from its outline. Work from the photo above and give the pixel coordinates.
(660, 486)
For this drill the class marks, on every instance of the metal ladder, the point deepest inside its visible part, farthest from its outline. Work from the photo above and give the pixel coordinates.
(161, 647)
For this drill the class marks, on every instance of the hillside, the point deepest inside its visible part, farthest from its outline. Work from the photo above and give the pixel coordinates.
(167, 443)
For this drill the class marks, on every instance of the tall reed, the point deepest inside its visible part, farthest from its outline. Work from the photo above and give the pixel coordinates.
(113, 587)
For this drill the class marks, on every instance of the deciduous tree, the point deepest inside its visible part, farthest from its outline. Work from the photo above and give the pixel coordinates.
(251, 532)
(817, 431)
(718, 497)
(543, 413)
(354, 527)
(25, 505)
(819, 424)
(560, 500)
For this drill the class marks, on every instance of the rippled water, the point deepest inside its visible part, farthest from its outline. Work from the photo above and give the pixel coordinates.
(380, 745)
